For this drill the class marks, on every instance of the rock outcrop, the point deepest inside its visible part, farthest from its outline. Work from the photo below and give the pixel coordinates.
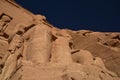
(33, 49)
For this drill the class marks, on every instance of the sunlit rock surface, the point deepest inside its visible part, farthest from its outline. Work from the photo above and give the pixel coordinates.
(33, 49)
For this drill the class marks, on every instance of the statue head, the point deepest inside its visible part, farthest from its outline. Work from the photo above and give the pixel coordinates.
(39, 18)
(20, 28)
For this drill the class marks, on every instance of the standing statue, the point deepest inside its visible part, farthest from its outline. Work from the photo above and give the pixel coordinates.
(39, 47)
(13, 54)
(61, 52)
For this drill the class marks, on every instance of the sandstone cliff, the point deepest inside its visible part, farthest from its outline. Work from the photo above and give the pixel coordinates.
(33, 49)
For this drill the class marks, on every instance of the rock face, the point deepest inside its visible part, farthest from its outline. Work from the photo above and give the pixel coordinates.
(33, 49)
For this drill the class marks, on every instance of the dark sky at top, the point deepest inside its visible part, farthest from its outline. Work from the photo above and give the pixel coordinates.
(97, 15)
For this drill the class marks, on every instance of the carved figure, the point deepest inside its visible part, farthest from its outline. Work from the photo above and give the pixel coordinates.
(39, 48)
(61, 52)
(11, 58)
(3, 22)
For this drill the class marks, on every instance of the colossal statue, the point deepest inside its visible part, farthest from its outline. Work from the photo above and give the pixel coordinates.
(41, 44)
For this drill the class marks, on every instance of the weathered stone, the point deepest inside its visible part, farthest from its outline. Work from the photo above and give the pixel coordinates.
(61, 51)
(83, 57)
(39, 48)
(33, 49)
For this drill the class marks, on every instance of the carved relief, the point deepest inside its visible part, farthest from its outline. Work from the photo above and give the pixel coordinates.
(12, 56)
(12, 59)
(61, 52)
(4, 21)
(39, 51)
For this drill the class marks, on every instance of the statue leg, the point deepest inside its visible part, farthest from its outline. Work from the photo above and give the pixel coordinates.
(39, 48)
(61, 51)
(10, 65)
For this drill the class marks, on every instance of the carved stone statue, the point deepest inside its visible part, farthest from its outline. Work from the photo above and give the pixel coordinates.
(39, 48)
(36, 50)
(10, 61)
(61, 52)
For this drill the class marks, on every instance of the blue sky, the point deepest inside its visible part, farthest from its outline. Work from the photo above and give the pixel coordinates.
(97, 15)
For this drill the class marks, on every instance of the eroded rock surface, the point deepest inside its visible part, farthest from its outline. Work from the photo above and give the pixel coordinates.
(33, 49)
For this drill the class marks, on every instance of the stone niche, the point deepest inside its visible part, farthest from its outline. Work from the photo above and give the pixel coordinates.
(4, 22)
